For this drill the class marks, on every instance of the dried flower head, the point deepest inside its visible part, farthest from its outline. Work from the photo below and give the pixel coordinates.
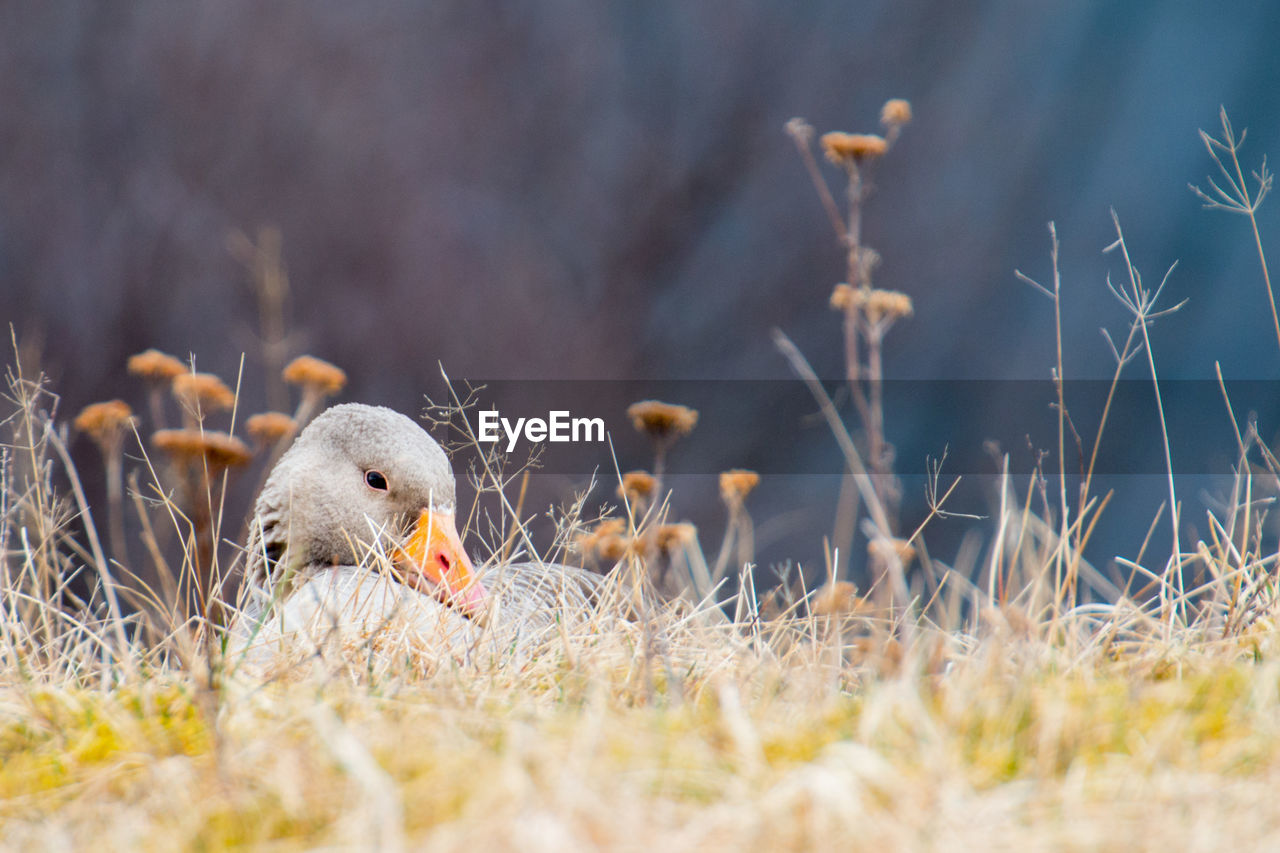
(670, 538)
(888, 304)
(800, 130)
(876, 304)
(636, 486)
(895, 113)
(217, 449)
(842, 297)
(736, 484)
(103, 422)
(835, 599)
(270, 427)
(155, 366)
(662, 420)
(845, 148)
(607, 543)
(610, 527)
(315, 375)
(885, 550)
(202, 392)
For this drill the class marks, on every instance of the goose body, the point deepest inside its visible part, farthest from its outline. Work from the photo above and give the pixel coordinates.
(353, 549)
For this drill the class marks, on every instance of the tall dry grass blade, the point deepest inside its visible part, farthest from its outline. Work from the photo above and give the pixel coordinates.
(852, 457)
(1141, 303)
(100, 561)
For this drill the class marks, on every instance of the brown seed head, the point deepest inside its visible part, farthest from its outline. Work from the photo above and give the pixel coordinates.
(202, 392)
(885, 550)
(662, 420)
(607, 543)
(895, 113)
(610, 527)
(844, 148)
(103, 421)
(836, 599)
(736, 484)
(270, 427)
(218, 449)
(636, 486)
(842, 297)
(888, 305)
(876, 304)
(672, 537)
(315, 375)
(155, 366)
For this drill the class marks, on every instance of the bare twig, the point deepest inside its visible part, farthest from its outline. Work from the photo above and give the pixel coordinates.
(1238, 198)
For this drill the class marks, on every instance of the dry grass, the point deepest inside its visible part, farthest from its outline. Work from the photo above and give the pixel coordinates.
(967, 723)
(1014, 700)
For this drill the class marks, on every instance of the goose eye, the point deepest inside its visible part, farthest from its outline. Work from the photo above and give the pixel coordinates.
(375, 480)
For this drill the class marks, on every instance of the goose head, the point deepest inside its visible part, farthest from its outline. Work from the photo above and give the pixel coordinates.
(359, 474)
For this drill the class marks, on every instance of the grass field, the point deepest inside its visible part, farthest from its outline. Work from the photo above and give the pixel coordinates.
(1016, 701)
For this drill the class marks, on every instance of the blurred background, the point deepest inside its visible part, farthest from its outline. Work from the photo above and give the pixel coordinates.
(605, 191)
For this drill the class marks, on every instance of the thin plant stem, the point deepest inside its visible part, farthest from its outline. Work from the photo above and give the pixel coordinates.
(115, 502)
(1141, 303)
(91, 531)
(1266, 275)
(802, 134)
(1058, 380)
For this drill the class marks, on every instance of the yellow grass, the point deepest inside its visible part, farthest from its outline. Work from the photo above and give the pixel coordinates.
(1009, 741)
(672, 729)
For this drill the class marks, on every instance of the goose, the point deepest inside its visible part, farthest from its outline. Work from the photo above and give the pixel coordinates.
(361, 489)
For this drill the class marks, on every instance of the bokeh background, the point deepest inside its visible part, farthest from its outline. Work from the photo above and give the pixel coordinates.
(603, 190)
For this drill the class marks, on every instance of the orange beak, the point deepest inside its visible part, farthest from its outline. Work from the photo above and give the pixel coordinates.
(434, 562)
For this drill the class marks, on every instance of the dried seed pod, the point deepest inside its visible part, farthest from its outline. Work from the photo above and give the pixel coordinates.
(662, 420)
(846, 148)
(736, 484)
(216, 449)
(105, 422)
(895, 112)
(155, 366)
(202, 393)
(315, 375)
(270, 427)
